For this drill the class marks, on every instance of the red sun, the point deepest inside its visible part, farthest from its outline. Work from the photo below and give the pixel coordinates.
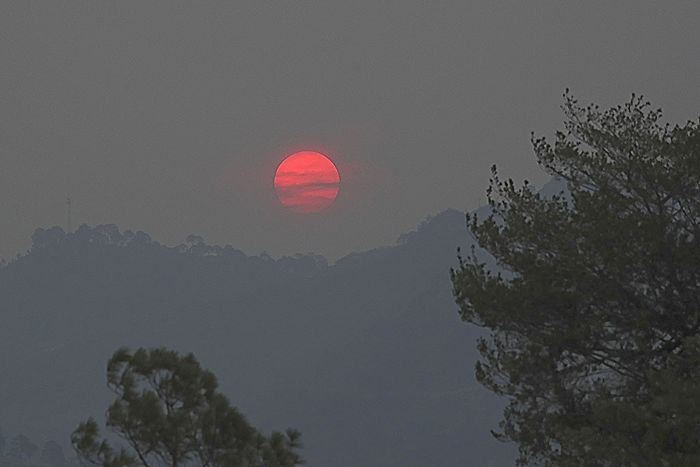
(307, 181)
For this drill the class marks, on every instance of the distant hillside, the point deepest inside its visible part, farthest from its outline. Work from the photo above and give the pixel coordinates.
(367, 357)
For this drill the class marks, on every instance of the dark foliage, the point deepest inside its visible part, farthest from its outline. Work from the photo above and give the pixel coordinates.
(169, 412)
(595, 323)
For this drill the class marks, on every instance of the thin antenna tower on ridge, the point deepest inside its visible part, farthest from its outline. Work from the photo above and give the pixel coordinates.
(69, 206)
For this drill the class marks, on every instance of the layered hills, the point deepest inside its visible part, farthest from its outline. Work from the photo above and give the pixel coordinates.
(367, 356)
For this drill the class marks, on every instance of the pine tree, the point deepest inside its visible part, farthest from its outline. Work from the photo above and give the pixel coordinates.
(594, 320)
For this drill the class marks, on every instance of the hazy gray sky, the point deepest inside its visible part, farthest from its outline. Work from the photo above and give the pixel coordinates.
(170, 116)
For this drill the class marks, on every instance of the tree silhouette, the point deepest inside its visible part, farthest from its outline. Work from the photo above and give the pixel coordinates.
(168, 410)
(595, 321)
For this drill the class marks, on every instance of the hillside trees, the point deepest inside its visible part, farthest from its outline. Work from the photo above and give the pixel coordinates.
(595, 318)
(168, 411)
(21, 449)
(52, 454)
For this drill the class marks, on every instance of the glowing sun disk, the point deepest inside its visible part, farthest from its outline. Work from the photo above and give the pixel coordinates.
(307, 181)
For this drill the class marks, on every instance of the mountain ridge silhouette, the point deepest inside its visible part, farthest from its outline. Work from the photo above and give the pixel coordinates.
(366, 356)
